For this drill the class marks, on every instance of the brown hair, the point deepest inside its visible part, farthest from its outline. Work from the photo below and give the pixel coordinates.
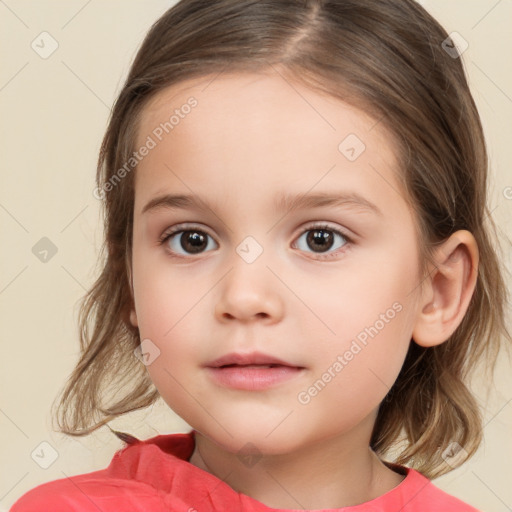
(385, 57)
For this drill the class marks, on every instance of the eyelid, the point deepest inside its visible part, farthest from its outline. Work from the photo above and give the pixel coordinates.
(319, 224)
(190, 226)
(185, 226)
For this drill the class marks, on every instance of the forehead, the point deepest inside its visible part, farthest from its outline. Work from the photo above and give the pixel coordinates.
(248, 96)
(260, 129)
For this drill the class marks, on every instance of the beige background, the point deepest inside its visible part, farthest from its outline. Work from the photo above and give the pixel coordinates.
(53, 115)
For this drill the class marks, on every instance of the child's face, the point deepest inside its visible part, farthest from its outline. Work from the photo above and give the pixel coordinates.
(253, 279)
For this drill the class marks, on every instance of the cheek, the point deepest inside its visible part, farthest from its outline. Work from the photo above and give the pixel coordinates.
(168, 308)
(166, 295)
(377, 360)
(374, 309)
(373, 318)
(350, 296)
(357, 376)
(169, 321)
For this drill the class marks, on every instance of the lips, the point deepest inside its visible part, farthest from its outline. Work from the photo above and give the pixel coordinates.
(252, 359)
(251, 372)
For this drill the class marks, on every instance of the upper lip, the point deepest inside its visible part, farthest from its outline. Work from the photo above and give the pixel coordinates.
(241, 359)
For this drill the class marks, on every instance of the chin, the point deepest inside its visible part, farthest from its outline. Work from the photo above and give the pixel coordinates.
(249, 437)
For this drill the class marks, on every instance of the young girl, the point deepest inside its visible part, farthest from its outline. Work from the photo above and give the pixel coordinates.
(299, 261)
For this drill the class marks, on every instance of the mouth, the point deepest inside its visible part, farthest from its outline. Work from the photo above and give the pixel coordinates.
(249, 359)
(250, 366)
(251, 372)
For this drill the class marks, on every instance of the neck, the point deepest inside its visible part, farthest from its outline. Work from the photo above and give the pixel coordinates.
(330, 473)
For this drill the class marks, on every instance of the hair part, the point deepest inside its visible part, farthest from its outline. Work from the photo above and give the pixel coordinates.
(384, 57)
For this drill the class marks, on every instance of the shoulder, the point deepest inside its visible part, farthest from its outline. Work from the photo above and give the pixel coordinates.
(115, 488)
(442, 501)
(89, 492)
(137, 478)
(424, 496)
(130, 482)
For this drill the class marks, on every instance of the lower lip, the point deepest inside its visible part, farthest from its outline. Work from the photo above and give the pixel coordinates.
(253, 378)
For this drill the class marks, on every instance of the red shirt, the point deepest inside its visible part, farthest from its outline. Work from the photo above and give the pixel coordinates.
(155, 476)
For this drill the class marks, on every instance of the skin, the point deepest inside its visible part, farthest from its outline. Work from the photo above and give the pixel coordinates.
(250, 138)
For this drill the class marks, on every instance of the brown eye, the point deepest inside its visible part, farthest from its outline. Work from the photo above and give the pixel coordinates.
(193, 241)
(321, 240)
(188, 242)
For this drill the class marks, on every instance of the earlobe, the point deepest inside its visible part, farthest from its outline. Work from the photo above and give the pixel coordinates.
(133, 314)
(447, 291)
(133, 318)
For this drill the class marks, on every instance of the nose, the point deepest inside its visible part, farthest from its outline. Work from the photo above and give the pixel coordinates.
(249, 292)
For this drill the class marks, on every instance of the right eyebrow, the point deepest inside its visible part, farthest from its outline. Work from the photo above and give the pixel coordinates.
(174, 202)
(284, 202)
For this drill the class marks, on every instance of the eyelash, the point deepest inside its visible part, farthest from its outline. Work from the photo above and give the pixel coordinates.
(181, 228)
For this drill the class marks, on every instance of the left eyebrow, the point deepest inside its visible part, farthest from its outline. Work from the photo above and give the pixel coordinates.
(284, 202)
(289, 202)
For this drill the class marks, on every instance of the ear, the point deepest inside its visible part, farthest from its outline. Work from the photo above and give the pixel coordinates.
(133, 314)
(447, 290)
(133, 318)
